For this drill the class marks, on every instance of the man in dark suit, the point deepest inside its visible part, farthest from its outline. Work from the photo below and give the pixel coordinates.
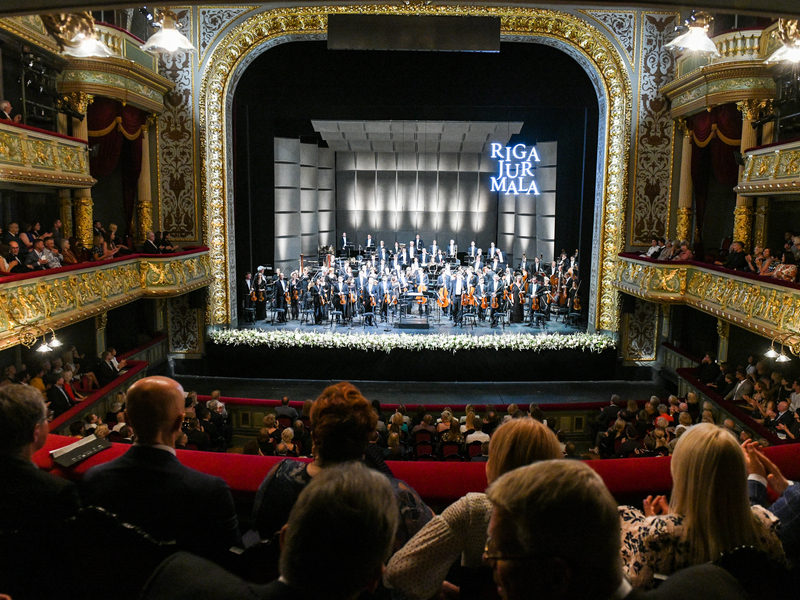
(472, 251)
(149, 487)
(57, 396)
(349, 503)
(783, 416)
(106, 372)
(383, 253)
(150, 244)
(369, 243)
(736, 258)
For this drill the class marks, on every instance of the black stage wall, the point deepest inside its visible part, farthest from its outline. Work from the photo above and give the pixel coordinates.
(409, 365)
(293, 83)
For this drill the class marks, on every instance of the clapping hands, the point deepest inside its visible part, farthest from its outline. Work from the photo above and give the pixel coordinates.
(759, 464)
(655, 506)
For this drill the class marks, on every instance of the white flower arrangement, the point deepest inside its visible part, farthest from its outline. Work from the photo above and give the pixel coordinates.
(590, 342)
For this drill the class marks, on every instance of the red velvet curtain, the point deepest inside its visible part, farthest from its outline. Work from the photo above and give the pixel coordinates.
(117, 130)
(716, 136)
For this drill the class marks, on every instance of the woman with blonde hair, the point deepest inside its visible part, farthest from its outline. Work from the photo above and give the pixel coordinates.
(418, 570)
(708, 514)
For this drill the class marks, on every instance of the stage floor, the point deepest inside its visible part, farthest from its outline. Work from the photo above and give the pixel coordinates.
(436, 325)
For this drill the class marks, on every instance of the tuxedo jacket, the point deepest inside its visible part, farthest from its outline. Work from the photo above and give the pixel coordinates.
(452, 250)
(150, 248)
(59, 401)
(369, 243)
(473, 251)
(106, 373)
(149, 487)
(383, 254)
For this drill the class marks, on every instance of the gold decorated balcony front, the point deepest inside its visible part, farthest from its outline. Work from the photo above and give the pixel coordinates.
(59, 297)
(771, 170)
(761, 304)
(32, 156)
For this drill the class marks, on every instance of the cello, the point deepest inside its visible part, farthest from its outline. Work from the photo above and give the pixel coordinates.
(443, 301)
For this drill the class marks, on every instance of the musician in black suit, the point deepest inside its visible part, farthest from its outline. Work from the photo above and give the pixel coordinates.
(246, 290)
(472, 251)
(491, 251)
(383, 253)
(319, 296)
(150, 245)
(369, 243)
(149, 487)
(496, 297)
(523, 264)
(260, 284)
(439, 257)
(412, 251)
(385, 292)
(434, 249)
(280, 291)
(457, 288)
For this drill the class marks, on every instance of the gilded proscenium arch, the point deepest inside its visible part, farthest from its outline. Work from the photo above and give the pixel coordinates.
(555, 28)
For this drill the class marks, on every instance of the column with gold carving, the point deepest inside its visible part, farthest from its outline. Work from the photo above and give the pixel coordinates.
(723, 331)
(83, 205)
(144, 201)
(743, 213)
(762, 204)
(65, 211)
(684, 227)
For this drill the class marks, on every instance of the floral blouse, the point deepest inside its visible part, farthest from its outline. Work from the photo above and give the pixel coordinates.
(655, 545)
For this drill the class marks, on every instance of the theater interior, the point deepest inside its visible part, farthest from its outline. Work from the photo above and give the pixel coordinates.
(288, 127)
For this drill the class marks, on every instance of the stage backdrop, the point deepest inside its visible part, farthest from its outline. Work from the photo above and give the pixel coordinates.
(304, 201)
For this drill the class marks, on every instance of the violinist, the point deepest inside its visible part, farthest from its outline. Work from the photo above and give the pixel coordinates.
(281, 292)
(517, 309)
(339, 297)
(444, 281)
(319, 297)
(496, 298)
(247, 291)
(479, 261)
(261, 294)
(370, 300)
(421, 286)
(383, 253)
(386, 295)
(482, 298)
(295, 293)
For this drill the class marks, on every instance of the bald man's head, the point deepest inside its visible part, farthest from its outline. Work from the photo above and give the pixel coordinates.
(154, 408)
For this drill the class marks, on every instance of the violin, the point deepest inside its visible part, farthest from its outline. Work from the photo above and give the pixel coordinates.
(576, 300)
(495, 302)
(261, 296)
(322, 300)
(353, 297)
(562, 296)
(422, 288)
(484, 302)
(342, 298)
(534, 303)
(287, 297)
(444, 300)
(253, 295)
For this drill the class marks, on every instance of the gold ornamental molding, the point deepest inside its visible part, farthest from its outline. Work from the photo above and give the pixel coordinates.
(30, 29)
(63, 297)
(759, 305)
(117, 78)
(588, 45)
(772, 170)
(719, 83)
(39, 158)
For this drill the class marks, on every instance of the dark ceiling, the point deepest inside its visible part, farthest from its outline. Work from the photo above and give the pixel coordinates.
(752, 7)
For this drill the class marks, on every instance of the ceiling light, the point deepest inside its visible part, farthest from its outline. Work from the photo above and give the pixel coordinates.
(86, 46)
(783, 358)
(771, 353)
(696, 39)
(169, 39)
(789, 33)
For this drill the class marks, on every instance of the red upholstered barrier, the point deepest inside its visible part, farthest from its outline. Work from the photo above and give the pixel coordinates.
(630, 480)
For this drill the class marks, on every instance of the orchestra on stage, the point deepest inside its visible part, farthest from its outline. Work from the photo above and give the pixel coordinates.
(374, 283)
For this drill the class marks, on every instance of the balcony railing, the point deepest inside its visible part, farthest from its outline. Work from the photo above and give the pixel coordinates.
(763, 305)
(30, 155)
(771, 169)
(58, 297)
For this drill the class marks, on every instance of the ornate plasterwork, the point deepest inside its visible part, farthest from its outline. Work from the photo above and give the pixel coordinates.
(34, 157)
(31, 29)
(761, 306)
(653, 176)
(185, 326)
(244, 43)
(773, 170)
(60, 298)
(620, 23)
(214, 19)
(641, 332)
(177, 142)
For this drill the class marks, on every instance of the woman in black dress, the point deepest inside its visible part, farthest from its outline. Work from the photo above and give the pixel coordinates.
(517, 309)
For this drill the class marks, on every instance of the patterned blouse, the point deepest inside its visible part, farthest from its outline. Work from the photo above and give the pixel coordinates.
(655, 545)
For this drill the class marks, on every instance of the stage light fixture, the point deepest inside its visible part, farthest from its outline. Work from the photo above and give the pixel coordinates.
(169, 39)
(696, 38)
(789, 34)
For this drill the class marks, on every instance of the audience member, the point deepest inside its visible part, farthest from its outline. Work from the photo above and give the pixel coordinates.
(418, 570)
(284, 410)
(348, 504)
(342, 421)
(147, 486)
(709, 494)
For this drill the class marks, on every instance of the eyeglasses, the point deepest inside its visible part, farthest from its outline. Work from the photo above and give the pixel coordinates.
(491, 555)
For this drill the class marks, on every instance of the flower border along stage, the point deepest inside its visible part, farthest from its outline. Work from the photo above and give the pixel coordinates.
(590, 342)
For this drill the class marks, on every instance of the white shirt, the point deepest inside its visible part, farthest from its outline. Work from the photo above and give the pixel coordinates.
(795, 400)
